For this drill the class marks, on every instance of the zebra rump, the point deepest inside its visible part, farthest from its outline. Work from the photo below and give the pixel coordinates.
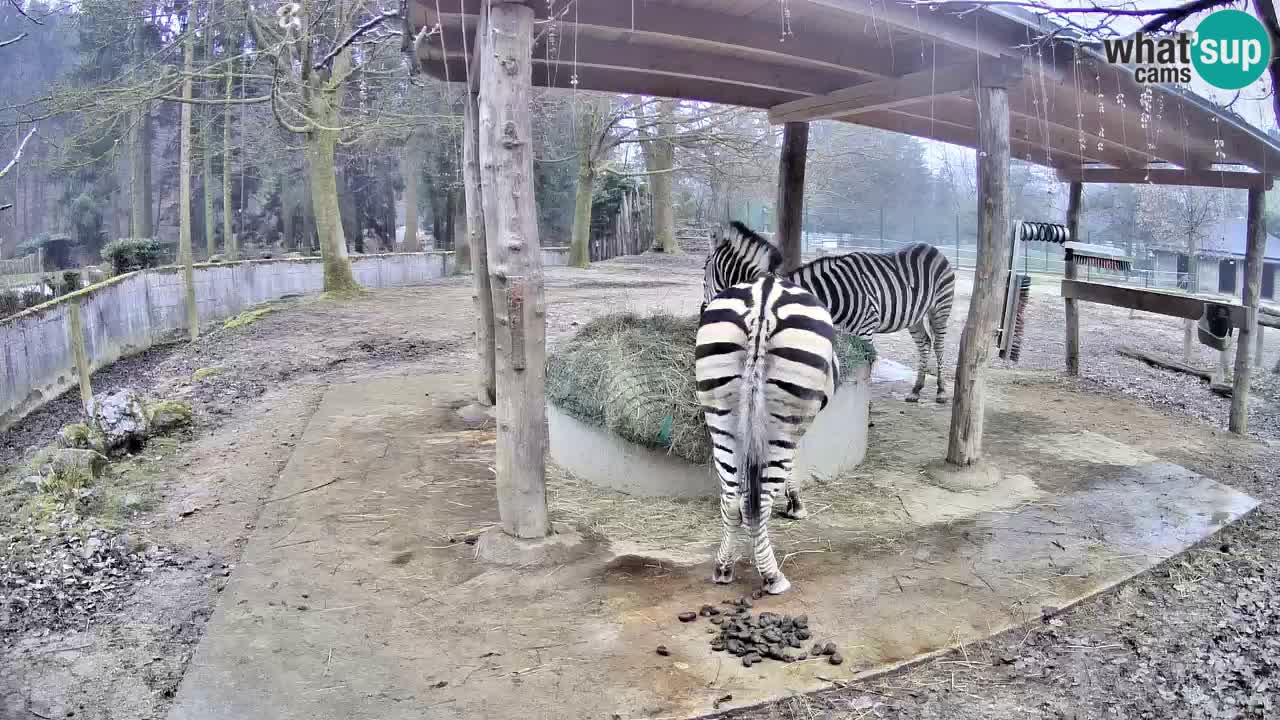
(765, 366)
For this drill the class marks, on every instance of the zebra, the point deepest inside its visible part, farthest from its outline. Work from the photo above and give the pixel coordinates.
(867, 293)
(765, 366)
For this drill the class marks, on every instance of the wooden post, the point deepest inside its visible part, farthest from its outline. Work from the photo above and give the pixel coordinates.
(184, 198)
(1257, 353)
(790, 210)
(964, 446)
(1256, 230)
(515, 269)
(486, 388)
(75, 333)
(1074, 199)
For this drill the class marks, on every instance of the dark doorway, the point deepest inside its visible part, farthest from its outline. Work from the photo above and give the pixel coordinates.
(1269, 280)
(1227, 277)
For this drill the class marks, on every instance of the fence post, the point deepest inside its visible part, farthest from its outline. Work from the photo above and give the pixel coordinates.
(75, 335)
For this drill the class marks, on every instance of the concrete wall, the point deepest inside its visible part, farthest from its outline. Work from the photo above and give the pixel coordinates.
(131, 312)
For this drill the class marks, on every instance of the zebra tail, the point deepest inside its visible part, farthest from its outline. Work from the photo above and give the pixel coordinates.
(753, 429)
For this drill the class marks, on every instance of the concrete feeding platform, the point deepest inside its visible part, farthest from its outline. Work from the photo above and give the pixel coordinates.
(358, 596)
(836, 442)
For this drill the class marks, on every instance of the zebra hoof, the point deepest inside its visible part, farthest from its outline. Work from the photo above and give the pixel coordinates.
(795, 511)
(913, 398)
(778, 585)
(722, 575)
(942, 398)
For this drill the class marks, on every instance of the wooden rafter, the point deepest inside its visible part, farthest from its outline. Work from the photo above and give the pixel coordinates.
(895, 92)
(1168, 176)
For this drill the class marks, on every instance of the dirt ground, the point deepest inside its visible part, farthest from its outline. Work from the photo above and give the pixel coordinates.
(1196, 638)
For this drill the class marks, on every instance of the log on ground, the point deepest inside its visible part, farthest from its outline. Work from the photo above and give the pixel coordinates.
(1166, 363)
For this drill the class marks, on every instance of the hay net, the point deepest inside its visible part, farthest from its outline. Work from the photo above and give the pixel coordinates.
(634, 375)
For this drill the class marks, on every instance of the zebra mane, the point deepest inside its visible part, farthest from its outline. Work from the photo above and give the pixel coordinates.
(741, 240)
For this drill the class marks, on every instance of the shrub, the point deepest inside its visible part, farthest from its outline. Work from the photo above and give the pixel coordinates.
(127, 254)
(71, 281)
(32, 298)
(10, 303)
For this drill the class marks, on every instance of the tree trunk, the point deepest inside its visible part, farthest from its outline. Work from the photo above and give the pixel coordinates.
(580, 244)
(790, 202)
(1188, 339)
(482, 295)
(322, 169)
(458, 223)
(140, 175)
(1251, 295)
(229, 245)
(1074, 202)
(409, 171)
(964, 445)
(659, 156)
(206, 182)
(580, 240)
(515, 269)
(184, 195)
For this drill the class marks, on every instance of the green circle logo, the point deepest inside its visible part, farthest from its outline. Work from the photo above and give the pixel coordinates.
(1232, 49)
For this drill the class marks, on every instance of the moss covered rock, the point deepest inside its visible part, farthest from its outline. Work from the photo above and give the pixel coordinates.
(82, 436)
(168, 415)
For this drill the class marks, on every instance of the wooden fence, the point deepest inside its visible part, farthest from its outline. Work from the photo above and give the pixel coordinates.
(632, 231)
(24, 265)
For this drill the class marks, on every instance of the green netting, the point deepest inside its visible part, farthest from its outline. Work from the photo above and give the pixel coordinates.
(634, 375)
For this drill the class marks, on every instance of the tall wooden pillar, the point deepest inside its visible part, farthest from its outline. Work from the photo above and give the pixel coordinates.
(515, 268)
(482, 295)
(1256, 231)
(1074, 201)
(964, 445)
(790, 210)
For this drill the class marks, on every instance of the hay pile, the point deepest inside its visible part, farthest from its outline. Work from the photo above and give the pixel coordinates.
(634, 375)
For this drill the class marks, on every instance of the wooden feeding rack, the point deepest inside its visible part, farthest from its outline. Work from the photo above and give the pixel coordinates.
(1100, 257)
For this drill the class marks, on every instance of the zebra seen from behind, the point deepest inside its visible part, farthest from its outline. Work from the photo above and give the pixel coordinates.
(765, 365)
(867, 293)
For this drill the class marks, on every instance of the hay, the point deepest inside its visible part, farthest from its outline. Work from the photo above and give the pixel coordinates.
(634, 375)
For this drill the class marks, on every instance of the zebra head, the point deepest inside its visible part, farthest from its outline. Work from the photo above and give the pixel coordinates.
(737, 255)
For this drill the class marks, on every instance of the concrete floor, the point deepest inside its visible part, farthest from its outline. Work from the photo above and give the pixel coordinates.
(358, 596)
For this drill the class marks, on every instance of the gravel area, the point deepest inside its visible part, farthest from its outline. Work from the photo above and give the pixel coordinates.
(1196, 638)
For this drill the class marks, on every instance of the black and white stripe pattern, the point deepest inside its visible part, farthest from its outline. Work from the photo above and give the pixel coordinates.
(911, 288)
(737, 255)
(765, 366)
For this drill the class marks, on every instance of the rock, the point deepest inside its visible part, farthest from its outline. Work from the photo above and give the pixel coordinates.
(705, 611)
(687, 616)
(121, 417)
(76, 468)
(168, 415)
(663, 651)
(31, 483)
(717, 620)
(829, 649)
(835, 659)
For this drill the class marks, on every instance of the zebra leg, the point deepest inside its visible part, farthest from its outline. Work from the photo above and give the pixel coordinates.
(730, 552)
(795, 509)
(939, 326)
(919, 333)
(775, 583)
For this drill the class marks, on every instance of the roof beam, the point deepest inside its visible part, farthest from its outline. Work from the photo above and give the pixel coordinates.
(941, 26)
(705, 29)
(1168, 176)
(894, 92)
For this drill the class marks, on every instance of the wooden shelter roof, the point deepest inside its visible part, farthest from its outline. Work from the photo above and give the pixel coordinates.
(880, 63)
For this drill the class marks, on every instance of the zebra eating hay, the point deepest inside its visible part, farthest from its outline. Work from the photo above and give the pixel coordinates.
(765, 365)
(911, 288)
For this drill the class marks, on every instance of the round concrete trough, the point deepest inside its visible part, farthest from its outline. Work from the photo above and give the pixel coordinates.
(835, 442)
